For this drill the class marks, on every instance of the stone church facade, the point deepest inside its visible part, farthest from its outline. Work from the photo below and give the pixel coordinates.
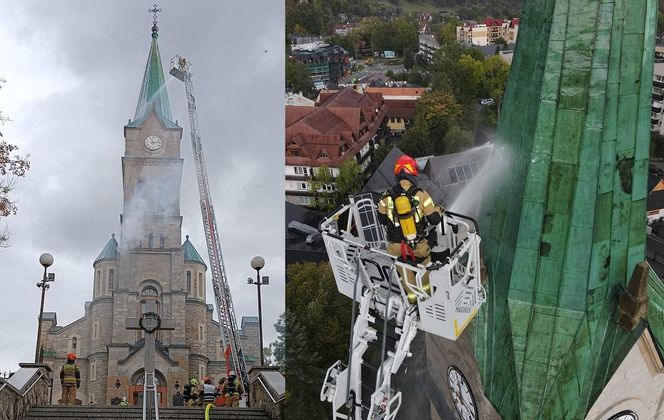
(150, 262)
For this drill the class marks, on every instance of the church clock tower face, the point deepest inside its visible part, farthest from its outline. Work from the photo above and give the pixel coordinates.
(153, 143)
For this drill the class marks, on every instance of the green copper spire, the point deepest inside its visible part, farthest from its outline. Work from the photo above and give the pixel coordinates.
(153, 90)
(567, 227)
(110, 251)
(190, 253)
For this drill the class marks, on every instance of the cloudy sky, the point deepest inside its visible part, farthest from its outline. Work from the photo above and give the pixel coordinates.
(73, 72)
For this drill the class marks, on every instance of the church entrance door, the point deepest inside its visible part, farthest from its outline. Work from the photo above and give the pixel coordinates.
(136, 388)
(136, 395)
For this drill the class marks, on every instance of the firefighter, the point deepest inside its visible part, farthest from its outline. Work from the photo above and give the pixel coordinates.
(407, 211)
(190, 395)
(208, 393)
(70, 379)
(220, 401)
(233, 389)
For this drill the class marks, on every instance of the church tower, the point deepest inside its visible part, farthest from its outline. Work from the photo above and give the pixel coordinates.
(149, 261)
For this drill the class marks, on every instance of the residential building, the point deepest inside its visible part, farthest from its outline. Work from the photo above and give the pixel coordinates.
(343, 125)
(428, 46)
(326, 62)
(401, 103)
(488, 31)
(657, 115)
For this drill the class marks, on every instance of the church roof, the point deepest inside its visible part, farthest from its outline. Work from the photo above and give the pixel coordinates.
(110, 251)
(154, 95)
(190, 253)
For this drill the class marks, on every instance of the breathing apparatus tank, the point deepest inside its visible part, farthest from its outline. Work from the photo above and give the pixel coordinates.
(405, 213)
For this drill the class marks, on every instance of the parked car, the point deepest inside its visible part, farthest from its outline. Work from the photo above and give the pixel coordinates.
(486, 101)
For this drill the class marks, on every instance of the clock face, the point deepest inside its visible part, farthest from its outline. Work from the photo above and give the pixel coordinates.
(625, 415)
(152, 142)
(462, 395)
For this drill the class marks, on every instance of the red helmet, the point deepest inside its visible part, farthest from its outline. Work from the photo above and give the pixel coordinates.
(71, 356)
(407, 165)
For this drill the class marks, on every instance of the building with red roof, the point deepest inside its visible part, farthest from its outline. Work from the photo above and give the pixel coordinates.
(342, 125)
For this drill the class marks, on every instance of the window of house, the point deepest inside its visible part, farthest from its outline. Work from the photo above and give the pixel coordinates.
(302, 186)
(189, 282)
(162, 241)
(201, 286)
(295, 153)
(111, 279)
(298, 170)
(202, 371)
(93, 371)
(323, 154)
(150, 238)
(95, 331)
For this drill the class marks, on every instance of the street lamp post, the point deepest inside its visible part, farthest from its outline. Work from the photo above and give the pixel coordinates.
(46, 260)
(257, 263)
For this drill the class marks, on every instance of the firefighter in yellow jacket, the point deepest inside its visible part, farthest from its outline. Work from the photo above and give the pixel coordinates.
(407, 211)
(70, 379)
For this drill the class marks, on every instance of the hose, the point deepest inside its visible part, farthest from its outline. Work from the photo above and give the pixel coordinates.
(207, 410)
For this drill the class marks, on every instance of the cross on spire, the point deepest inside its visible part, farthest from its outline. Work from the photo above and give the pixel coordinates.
(155, 29)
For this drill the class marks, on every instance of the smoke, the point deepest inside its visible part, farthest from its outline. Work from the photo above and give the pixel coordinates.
(498, 166)
(153, 196)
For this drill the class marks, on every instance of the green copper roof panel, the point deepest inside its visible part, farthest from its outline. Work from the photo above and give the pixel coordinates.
(566, 229)
(190, 253)
(154, 95)
(110, 251)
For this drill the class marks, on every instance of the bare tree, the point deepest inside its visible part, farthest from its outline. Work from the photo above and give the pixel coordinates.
(12, 166)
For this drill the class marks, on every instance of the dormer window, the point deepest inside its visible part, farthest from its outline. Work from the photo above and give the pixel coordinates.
(323, 154)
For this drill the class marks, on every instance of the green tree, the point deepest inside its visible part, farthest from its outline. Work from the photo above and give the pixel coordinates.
(405, 39)
(317, 322)
(298, 80)
(435, 114)
(278, 348)
(348, 182)
(494, 80)
(12, 166)
(321, 187)
(446, 35)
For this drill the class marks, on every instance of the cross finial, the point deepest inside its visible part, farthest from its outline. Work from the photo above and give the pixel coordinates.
(155, 9)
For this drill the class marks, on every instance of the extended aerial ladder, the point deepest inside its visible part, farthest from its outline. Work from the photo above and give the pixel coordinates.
(443, 298)
(181, 69)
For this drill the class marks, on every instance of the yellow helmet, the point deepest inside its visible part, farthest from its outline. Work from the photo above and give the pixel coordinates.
(194, 381)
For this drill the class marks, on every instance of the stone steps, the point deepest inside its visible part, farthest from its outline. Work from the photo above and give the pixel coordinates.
(75, 412)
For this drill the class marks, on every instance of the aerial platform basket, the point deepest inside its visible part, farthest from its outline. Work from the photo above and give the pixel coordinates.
(358, 252)
(440, 298)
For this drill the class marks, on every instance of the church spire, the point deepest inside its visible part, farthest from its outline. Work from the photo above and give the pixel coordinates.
(153, 90)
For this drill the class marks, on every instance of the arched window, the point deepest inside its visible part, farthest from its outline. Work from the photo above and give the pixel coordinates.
(162, 240)
(149, 291)
(74, 344)
(150, 240)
